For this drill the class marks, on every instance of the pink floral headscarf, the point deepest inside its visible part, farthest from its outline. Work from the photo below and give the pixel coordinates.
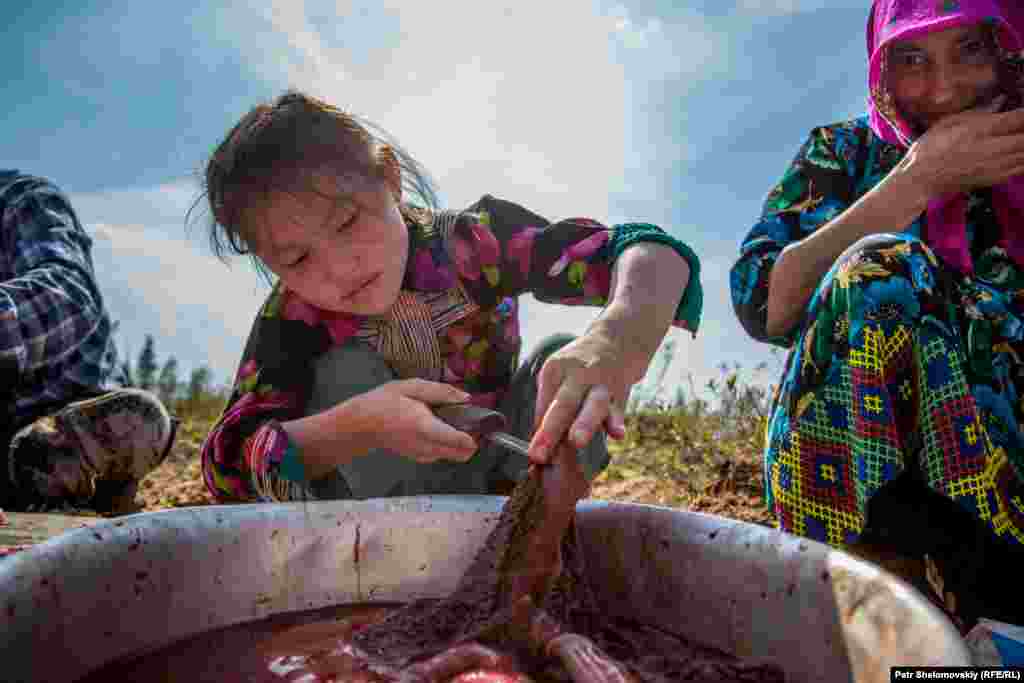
(892, 20)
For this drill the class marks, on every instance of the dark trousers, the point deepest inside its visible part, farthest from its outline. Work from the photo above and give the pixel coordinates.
(353, 368)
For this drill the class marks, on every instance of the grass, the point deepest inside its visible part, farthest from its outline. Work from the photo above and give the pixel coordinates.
(697, 462)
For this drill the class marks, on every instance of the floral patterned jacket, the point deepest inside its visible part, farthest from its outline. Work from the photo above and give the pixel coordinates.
(460, 299)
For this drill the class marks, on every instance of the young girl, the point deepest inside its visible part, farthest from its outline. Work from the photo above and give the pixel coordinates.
(384, 308)
(889, 260)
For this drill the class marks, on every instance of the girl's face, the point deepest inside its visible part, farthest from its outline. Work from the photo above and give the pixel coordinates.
(342, 246)
(942, 73)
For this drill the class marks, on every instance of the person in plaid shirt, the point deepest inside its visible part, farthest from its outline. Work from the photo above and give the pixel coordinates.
(70, 436)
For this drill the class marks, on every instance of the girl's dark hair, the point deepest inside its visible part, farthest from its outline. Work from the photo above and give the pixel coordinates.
(276, 146)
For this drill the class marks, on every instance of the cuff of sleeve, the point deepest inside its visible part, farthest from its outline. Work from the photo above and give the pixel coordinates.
(272, 452)
(291, 467)
(691, 305)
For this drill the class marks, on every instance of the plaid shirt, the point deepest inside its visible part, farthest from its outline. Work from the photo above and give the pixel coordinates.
(56, 344)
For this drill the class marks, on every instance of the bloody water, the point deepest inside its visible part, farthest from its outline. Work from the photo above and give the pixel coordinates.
(289, 647)
(307, 647)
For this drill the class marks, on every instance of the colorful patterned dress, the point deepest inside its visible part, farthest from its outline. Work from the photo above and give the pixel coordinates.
(456, 321)
(899, 361)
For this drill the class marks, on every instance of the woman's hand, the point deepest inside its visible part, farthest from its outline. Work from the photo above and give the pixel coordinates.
(397, 416)
(582, 388)
(970, 150)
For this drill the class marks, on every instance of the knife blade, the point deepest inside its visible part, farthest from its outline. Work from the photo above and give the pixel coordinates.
(481, 423)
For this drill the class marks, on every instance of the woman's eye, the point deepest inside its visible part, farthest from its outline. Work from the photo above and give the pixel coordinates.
(295, 262)
(910, 59)
(976, 49)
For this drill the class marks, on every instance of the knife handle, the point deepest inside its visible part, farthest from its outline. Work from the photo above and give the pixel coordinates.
(474, 420)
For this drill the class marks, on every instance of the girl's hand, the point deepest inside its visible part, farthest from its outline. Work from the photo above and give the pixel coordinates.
(582, 388)
(396, 416)
(974, 149)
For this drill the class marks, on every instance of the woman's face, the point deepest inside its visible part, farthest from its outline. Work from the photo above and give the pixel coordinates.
(942, 73)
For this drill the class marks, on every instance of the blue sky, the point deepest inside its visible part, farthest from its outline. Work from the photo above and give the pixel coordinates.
(683, 116)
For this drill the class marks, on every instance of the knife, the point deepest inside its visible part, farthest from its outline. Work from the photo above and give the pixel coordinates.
(481, 423)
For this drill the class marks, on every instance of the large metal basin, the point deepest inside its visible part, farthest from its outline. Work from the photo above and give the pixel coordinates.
(125, 586)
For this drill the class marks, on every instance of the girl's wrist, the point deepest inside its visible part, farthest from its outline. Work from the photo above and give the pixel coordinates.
(351, 426)
(327, 439)
(304, 451)
(632, 349)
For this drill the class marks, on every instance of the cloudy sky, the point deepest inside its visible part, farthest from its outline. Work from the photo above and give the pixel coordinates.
(680, 114)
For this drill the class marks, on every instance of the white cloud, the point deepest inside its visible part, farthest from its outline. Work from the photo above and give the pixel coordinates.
(681, 48)
(786, 7)
(158, 280)
(310, 56)
(776, 7)
(531, 101)
(163, 206)
(780, 7)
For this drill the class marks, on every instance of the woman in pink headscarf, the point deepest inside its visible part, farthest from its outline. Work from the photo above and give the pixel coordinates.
(890, 261)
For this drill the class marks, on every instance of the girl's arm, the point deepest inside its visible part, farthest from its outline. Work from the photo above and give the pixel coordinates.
(584, 387)
(646, 281)
(501, 249)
